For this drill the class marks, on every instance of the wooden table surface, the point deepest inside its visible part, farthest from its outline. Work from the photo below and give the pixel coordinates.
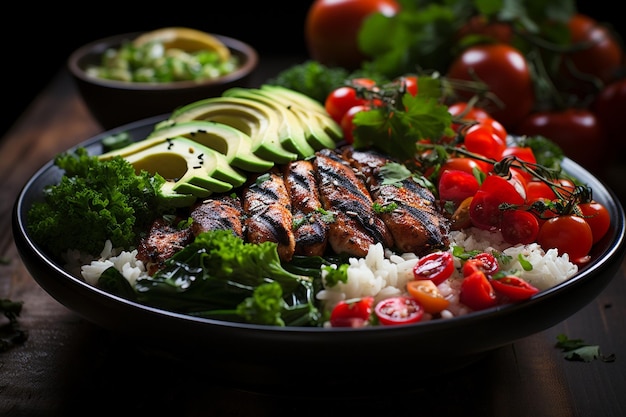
(69, 366)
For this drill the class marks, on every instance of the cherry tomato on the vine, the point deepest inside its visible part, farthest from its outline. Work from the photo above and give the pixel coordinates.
(569, 234)
(409, 83)
(352, 313)
(332, 28)
(536, 190)
(513, 288)
(505, 72)
(519, 226)
(436, 266)
(399, 310)
(469, 165)
(428, 295)
(485, 211)
(598, 218)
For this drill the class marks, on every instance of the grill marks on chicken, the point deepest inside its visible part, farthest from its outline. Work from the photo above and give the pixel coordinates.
(307, 206)
(415, 223)
(309, 228)
(267, 206)
(219, 213)
(163, 240)
(356, 226)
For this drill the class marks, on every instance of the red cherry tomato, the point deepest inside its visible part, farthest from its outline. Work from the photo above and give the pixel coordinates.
(347, 122)
(480, 26)
(469, 165)
(483, 262)
(399, 310)
(481, 139)
(352, 313)
(332, 28)
(519, 226)
(436, 266)
(485, 211)
(568, 234)
(456, 186)
(598, 218)
(477, 292)
(536, 190)
(342, 99)
(506, 73)
(513, 288)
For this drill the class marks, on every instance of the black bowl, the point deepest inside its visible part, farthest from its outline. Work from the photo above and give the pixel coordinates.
(270, 357)
(114, 103)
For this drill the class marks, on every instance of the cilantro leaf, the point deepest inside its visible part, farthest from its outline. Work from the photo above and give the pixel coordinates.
(578, 350)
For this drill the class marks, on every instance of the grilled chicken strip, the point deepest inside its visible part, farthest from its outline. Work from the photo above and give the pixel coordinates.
(267, 207)
(309, 228)
(356, 225)
(415, 223)
(218, 213)
(163, 240)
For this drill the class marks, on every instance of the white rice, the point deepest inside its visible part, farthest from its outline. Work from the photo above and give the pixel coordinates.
(381, 274)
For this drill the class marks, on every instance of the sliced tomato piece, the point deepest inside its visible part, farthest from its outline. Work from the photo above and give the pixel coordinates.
(352, 313)
(428, 295)
(399, 310)
(436, 267)
(477, 292)
(483, 262)
(513, 288)
(485, 209)
(456, 186)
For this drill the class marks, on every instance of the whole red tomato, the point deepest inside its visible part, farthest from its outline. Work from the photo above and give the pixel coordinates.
(598, 52)
(332, 28)
(610, 106)
(576, 131)
(505, 72)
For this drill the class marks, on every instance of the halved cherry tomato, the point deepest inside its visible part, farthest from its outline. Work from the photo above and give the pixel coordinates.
(456, 186)
(513, 288)
(436, 266)
(483, 262)
(352, 313)
(598, 218)
(477, 292)
(427, 294)
(569, 234)
(519, 226)
(399, 310)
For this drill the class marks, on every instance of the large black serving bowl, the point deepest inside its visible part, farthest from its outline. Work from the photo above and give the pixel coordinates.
(271, 357)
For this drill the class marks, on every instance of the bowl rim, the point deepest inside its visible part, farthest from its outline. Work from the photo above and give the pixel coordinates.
(235, 45)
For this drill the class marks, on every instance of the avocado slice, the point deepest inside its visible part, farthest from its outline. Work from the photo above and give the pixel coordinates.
(313, 108)
(256, 119)
(291, 132)
(231, 142)
(313, 121)
(195, 169)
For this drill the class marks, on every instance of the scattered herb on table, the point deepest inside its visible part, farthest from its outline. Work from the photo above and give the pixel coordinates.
(578, 350)
(11, 334)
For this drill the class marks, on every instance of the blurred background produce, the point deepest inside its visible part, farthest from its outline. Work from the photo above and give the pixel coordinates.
(36, 54)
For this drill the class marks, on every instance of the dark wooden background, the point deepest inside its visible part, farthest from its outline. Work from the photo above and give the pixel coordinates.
(36, 41)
